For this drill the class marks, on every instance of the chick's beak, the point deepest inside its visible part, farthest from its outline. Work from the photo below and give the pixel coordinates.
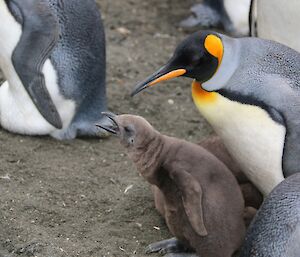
(112, 128)
(163, 74)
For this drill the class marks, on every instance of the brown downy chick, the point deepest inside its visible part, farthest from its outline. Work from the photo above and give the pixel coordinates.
(202, 201)
(252, 197)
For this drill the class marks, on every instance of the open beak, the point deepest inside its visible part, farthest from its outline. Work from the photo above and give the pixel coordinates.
(162, 74)
(112, 128)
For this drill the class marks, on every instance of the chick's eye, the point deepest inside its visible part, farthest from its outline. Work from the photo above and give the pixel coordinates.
(127, 129)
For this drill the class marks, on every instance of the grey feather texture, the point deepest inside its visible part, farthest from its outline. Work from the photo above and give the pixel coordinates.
(80, 60)
(275, 231)
(78, 56)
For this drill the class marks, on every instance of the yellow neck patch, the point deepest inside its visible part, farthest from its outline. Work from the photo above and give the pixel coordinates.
(200, 96)
(214, 46)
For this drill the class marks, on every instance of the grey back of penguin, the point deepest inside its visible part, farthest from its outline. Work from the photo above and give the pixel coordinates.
(79, 57)
(262, 62)
(275, 231)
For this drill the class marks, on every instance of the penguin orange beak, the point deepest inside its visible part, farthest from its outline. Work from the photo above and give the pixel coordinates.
(162, 74)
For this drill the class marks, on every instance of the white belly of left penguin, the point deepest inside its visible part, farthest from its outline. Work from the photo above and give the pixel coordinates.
(17, 111)
(238, 12)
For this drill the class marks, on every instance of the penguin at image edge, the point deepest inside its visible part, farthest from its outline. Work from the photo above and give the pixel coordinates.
(275, 230)
(228, 15)
(248, 89)
(52, 54)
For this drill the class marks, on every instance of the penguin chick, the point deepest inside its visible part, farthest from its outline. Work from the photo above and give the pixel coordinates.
(252, 197)
(248, 89)
(275, 230)
(203, 204)
(229, 15)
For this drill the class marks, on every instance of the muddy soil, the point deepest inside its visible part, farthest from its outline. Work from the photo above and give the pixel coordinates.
(84, 197)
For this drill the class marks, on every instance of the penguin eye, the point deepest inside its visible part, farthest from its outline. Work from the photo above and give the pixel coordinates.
(127, 129)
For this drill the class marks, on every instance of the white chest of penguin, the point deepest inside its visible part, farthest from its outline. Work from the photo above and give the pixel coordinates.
(252, 137)
(17, 111)
(238, 11)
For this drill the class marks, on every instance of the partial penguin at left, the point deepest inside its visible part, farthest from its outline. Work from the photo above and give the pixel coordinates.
(52, 54)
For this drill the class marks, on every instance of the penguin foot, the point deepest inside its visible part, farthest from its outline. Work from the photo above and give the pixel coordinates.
(64, 134)
(202, 16)
(83, 129)
(171, 245)
(90, 128)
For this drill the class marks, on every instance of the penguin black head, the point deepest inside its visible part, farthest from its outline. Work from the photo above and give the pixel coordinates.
(197, 57)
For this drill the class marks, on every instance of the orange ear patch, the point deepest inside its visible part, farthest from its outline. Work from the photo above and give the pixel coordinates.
(214, 46)
(201, 96)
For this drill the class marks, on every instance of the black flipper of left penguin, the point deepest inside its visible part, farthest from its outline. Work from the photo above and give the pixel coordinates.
(40, 33)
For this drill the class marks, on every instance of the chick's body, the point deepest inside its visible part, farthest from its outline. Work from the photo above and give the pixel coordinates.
(222, 200)
(198, 196)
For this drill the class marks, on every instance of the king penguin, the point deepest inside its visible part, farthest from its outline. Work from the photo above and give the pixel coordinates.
(275, 229)
(248, 89)
(268, 26)
(52, 54)
(229, 15)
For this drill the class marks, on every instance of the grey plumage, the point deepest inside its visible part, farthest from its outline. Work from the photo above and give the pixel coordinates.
(78, 57)
(275, 230)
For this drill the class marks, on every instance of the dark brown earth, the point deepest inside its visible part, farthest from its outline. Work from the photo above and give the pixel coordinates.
(84, 197)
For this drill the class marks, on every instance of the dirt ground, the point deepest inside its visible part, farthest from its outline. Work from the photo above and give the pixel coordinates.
(84, 197)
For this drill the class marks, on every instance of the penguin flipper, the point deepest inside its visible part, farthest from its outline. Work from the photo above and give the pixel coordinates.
(192, 195)
(290, 153)
(39, 36)
(172, 245)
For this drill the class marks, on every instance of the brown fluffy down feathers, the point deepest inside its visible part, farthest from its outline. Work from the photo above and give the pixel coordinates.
(198, 195)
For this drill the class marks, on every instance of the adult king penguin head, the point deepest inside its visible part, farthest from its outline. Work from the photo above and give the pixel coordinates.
(248, 90)
(197, 57)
